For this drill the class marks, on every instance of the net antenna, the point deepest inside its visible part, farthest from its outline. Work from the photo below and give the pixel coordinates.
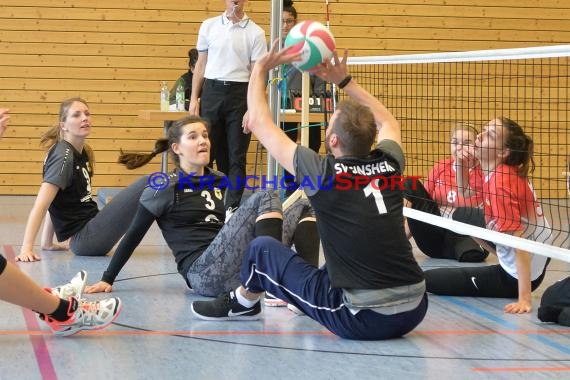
(429, 93)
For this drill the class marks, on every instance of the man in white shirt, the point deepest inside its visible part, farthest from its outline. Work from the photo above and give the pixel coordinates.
(228, 46)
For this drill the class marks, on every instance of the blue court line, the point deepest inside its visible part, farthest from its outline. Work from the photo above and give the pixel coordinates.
(505, 324)
(544, 340)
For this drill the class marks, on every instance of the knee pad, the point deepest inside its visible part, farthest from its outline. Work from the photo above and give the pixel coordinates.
(272, 227)
(307, 242)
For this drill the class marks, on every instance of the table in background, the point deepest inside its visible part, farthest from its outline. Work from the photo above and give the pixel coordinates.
(164, 116)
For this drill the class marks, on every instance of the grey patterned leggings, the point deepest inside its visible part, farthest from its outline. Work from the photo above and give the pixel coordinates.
(102, 232)
(217, 270)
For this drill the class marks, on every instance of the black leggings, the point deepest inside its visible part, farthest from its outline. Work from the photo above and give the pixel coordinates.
(486, 281)
(291, 130)
(555, 303)
(435, 241)
(472, 215)
(98, 236)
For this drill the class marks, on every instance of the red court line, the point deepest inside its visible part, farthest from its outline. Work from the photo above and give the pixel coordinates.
(523, 369)
(43, 358)
(190, 333)
(199, 333)
(489, 332)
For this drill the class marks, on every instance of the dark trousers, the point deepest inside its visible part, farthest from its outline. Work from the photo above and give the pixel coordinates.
(486, 281)
(555, 303)
(291, 130)
(472, 215)
(3, 264)
(269, 265)
(223, 104)
(435, 241)
(98, 236)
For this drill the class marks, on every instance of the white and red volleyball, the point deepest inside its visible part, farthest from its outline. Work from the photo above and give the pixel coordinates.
(313, 40)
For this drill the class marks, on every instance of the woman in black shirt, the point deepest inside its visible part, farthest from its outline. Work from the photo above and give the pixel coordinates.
(66, 191)
(208, 248)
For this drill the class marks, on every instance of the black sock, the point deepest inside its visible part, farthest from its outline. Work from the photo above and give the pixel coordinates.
(64, 309)
(307, 241)
(272, 227)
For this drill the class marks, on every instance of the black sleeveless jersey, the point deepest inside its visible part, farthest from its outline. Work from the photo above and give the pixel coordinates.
(359, 209)
(190, 213)
(73, 205)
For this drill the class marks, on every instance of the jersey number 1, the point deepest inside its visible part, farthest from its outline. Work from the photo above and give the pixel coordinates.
(378, 198)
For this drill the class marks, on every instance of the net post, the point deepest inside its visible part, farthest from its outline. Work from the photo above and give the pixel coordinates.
(306, 93)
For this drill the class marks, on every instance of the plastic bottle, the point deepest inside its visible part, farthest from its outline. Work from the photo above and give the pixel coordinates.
(180, 97)
(164, 97)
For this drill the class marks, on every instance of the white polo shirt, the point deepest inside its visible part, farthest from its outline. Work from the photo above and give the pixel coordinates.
(232, 48)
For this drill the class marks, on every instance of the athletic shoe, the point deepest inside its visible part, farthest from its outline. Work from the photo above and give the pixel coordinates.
(230, 212)
(271, 301)
(94, 315)
(295, 309)
(73, 288)
(225, 308)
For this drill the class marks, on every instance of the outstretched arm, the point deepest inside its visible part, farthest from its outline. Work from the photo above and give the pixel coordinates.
(48, 233)
(337, 72)
(46, 195)
(138, 228)
(259, 120)
(524, 302)
(197, 82)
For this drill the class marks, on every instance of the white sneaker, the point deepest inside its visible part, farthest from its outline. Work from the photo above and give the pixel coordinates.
(230, 212)
(73, 288)
(295, 309)
(88, 316)
(271, 301)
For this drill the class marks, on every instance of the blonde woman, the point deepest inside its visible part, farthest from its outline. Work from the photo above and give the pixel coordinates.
(61, 307)
(66, 191)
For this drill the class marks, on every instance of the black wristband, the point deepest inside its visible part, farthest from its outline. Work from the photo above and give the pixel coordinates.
(344, 82)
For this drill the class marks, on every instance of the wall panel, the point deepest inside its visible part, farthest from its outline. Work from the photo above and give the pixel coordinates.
(114, 54)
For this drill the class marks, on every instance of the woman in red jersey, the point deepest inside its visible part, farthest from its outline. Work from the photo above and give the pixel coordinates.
(505, 154)
(439, 195)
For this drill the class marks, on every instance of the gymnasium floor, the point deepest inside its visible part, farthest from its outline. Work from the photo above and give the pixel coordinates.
(156, 337)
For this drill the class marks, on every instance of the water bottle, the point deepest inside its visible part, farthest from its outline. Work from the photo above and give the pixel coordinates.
(180, 97)
(164, 97)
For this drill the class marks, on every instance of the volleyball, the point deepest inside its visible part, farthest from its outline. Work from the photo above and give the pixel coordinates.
(314, 41)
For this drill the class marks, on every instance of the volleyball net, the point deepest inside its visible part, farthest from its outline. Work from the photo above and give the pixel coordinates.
(430, 94)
